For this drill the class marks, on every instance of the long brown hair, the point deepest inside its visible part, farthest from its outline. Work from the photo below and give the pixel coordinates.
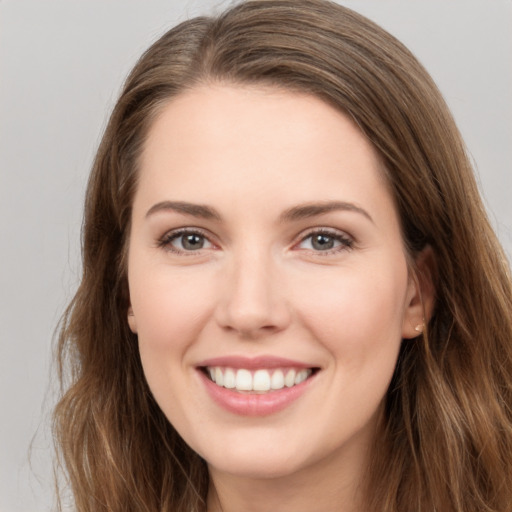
(446, 442)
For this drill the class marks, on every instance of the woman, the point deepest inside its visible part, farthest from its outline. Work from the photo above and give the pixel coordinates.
(291, 296)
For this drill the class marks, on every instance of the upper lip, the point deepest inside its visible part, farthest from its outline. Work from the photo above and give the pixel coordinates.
(251, 363)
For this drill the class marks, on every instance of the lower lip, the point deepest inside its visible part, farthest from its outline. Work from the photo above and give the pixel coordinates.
(249, 404)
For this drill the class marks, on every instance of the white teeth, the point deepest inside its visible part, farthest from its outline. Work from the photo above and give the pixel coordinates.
(243, 380)
(301, 376)
(289, 380)
(277, 381)
(259, 381)
(229, 378)
(219, 377)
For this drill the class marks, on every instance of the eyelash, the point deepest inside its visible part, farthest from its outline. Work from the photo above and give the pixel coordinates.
(345, 242)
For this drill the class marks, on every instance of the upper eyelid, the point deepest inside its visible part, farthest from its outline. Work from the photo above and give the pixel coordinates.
(316, 229)
(327, 230)
(188, 229)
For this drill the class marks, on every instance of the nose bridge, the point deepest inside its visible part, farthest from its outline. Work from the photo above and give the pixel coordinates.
(252, 302)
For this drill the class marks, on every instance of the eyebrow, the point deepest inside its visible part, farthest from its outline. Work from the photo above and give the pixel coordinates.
(292, 214)
(313, 209)
(196, 210)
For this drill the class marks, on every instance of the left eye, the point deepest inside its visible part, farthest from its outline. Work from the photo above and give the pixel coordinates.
(187, 241)
(322, 241)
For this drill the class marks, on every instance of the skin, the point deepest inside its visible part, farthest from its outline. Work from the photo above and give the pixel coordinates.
(259, 286)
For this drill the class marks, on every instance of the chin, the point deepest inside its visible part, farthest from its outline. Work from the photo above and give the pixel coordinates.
(253, 456)
(258, 468)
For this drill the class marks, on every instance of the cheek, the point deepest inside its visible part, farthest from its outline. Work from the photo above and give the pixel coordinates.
(357, 312)
(357, 318)
(169, 307)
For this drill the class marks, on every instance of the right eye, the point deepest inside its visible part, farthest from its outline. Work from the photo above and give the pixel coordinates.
(185, 241)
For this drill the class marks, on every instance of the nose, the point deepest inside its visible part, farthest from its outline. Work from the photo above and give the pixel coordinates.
(252, 302)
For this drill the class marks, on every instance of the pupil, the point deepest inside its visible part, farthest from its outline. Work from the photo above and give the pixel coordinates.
(192, 242)
(323, 242)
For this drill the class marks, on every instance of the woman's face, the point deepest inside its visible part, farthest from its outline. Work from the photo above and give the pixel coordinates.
(268, 281)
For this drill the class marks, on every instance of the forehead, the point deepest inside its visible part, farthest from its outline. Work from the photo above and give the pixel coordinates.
(245, 140)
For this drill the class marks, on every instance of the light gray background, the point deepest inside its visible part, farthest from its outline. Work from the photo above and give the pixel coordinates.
(61, 66)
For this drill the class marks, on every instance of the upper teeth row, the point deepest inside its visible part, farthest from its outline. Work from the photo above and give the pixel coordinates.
(260, 380)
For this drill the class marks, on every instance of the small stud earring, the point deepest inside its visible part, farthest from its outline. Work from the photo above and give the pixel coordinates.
(419, 328)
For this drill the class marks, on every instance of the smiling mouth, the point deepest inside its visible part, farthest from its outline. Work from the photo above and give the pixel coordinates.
(257, 381)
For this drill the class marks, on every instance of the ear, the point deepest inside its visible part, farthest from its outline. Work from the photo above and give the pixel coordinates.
(420, 294)
(131, 320)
